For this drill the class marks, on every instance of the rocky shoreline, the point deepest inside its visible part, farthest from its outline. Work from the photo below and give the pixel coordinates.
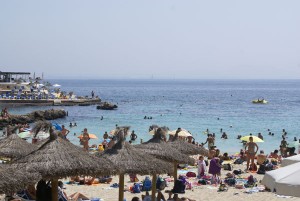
(33, 116)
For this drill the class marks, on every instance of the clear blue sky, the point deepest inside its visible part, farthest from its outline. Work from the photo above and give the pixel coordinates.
(165, 38)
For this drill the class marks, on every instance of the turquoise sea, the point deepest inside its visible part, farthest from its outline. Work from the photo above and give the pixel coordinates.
(191, 104)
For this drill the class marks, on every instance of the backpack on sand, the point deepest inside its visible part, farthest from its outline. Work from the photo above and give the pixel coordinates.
(136, 188)
(161, 183)
(147, 184)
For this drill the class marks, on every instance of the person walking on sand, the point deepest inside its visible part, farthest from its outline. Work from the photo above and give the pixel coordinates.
(85, 139)
(251, 152)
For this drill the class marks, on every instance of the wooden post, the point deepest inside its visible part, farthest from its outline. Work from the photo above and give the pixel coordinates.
(154, 178)
(121, 187)
(54, 189)
(175, 172)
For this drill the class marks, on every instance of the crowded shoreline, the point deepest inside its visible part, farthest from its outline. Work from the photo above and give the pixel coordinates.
(205, 179)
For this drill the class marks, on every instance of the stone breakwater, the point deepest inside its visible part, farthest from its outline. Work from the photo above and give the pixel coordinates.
(33, 116)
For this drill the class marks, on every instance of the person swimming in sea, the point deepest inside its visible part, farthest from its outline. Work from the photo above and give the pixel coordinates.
(224, 136)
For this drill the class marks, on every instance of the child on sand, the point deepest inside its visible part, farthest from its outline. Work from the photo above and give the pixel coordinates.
(201, 167)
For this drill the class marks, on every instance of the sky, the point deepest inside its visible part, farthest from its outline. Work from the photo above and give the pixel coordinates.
(160, 39)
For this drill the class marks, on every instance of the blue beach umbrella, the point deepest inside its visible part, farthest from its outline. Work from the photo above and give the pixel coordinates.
(57, 127)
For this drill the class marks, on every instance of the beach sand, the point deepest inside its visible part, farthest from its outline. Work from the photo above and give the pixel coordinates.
(199, 193)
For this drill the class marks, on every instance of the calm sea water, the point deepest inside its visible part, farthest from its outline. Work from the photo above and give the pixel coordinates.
(194, 105)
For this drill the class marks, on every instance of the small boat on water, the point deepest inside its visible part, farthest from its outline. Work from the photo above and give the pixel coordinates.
(107, 106)
(258, 101)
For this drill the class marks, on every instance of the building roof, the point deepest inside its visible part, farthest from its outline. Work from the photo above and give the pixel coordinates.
(14, 73)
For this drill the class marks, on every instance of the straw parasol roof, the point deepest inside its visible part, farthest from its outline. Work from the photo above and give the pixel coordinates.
(15, 147)
(187, 148)
(58, 158)
(128, 159)
(12, 180)
(162, 150)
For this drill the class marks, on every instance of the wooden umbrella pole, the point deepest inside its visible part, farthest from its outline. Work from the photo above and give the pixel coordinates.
(121, 187)
(54, 189)
(154, 178)
(175, 172)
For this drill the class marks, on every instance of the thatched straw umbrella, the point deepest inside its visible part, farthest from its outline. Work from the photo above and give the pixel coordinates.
(15, 147)
(130, 160)
(12, 180)
(187, 148)
(58, 158)
(162, 150)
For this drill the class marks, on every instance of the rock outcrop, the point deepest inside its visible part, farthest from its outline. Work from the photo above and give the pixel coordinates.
(33, 116)
(106, 106)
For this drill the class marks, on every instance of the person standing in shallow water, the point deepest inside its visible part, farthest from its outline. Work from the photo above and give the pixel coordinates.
(251, 152)
(64, 132)
(210, 140)
(133, 136)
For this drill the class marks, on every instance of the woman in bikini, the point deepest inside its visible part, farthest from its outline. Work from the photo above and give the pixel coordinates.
(251, 152)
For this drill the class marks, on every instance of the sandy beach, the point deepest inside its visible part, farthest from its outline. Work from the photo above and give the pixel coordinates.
(203, 192)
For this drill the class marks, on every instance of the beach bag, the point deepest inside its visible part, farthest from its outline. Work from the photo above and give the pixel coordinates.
(227, 167)
(147, 184)
(179, 186)
(261, 169)
(230, 181)
(237, 172)
(136, 188)
(229, 175)
(191, 174)
(202, 181)
(274, 161)
(161, 183)
(269, 167)
(254, 169)
(239, 161)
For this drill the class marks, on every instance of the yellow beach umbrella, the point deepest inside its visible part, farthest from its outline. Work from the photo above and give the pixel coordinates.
(255, 138)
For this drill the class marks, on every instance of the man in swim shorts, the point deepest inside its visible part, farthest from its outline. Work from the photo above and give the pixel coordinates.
(251, 152)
